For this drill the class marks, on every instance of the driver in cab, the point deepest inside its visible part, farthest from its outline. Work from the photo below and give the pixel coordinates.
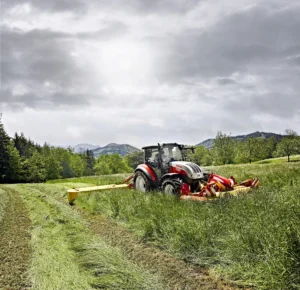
(165, 157)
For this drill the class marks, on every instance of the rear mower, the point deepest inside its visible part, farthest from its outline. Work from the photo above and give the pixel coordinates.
(166, 169)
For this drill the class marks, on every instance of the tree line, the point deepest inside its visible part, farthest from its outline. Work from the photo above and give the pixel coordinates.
(229, 151)
(21, 160)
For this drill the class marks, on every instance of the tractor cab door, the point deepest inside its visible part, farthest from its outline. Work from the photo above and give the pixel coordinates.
(153, 159)
(166, 157)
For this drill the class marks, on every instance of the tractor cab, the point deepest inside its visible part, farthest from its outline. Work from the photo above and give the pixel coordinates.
(166, 168)
(159, 157)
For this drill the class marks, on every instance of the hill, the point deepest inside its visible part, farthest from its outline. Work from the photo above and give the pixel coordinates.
(122, 149)
(210, 142)
(80, 148)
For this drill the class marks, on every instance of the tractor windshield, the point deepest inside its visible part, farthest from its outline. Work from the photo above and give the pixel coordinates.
(172, 153)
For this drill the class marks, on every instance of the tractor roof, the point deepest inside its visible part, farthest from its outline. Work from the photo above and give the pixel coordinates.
(163, 145)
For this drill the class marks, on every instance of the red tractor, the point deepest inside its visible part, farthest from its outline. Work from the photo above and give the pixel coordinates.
(166, 169)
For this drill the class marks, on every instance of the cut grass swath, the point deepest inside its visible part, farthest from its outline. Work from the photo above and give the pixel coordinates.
(66, 255)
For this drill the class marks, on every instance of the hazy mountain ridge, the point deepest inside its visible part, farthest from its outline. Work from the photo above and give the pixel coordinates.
(80, 148)
(265, 135)
(122, 149)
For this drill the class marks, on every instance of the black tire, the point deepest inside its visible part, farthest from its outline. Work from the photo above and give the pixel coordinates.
(170, 186)
(142, 182)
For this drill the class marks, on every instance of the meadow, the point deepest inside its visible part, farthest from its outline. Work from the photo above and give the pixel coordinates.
(252, 240)
(124, 239)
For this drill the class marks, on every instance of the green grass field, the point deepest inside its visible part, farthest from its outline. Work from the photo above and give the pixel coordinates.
(249, 241)
(252, 240)
(293, 158)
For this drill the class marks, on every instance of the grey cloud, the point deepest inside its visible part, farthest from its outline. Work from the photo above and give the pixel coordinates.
(34, 56)
(111, 30)
(49, 101)
(157, 6)
(38, 56)
(238, 42)
(146, 7)
(226, 81)
(53, 5)
(277, 104)
(294, 60)
(133, 6)
(261, 42)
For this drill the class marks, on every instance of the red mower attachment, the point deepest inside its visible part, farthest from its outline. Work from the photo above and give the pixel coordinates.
(218, 186)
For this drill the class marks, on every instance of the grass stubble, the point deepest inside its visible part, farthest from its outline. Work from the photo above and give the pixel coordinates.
(67, 255)
(15, 249)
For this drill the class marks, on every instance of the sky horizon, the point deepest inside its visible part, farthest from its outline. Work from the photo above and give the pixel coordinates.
(141, 72)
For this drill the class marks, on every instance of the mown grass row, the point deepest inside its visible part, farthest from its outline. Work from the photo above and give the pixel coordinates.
(67, 255)
(3, 202)
(253, 240)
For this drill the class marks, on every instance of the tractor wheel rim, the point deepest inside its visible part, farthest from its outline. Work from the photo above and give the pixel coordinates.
(169, 189)
(140, 184)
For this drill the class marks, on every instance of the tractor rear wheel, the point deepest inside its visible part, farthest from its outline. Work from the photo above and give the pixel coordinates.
(141, 182)
(169, 186)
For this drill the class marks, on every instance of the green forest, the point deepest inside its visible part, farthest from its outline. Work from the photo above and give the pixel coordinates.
(22, 160)
(228, 151)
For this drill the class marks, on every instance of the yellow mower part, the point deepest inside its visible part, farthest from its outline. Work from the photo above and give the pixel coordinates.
(73, 193)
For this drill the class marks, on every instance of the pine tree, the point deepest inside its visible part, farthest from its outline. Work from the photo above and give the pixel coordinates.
(4, 153)
(14, 170)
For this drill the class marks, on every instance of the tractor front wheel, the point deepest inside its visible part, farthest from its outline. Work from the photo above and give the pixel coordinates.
(170, 187)
(141, 182)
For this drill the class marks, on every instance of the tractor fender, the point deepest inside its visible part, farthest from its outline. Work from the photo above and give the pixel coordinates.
(148, 171)
(168, 175)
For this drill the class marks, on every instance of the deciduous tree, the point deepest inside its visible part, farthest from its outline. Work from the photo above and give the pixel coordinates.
(288, 145)
(134, 159)
(223, 149)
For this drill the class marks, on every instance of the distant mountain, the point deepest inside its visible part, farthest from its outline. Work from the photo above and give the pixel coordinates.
(210, 142)
(122, 149)
(80, 148)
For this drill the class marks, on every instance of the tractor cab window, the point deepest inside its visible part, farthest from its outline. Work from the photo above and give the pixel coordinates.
(152, 156)
(172, 153)
(165, 154)
(177, 154)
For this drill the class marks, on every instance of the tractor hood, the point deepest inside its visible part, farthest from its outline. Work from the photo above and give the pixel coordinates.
(192, 170)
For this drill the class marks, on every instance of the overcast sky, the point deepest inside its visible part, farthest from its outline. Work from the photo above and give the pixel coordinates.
(142, 72)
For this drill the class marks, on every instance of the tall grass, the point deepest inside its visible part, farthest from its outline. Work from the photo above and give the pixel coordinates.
(253, 240)
(93, 180)
(293, 158)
